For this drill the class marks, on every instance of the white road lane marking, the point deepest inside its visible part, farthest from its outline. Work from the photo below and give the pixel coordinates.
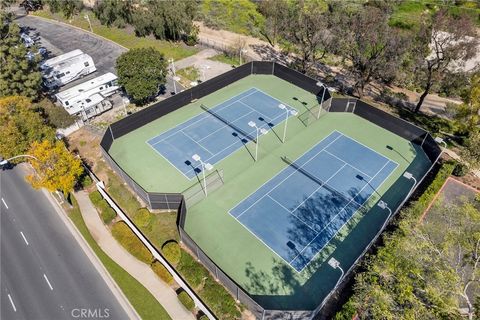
(13, 304)
(48, 282)
(24, 237)
(4, 203)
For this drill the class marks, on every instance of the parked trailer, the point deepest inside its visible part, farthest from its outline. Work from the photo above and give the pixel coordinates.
(55, 60)
(105, 85)
(68, 70)
(90, 107)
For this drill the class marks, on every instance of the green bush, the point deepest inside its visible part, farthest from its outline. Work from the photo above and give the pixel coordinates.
(95, 197)
(162, 272)
(85, 181)
(186, 300)
(142, 218)
(171, 251)
(203, 317)
(108, 215)
(219, 300)
(130, 242)
(460, 170)
(191, 270)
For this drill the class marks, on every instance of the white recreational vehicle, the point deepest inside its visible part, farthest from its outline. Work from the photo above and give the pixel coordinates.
(89, 95)
(67, 70)
(53, 61)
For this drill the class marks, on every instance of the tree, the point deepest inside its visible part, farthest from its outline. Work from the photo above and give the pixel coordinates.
(424, 271)
(56, 116)
(114, 12)
(372, 47)
(21, 125)
(442, 45)
(55, 168)
(272, 10)
(468, 113)
(303, 28)
(471, 151)
(19, 75)
(68, 8)
(141, 72)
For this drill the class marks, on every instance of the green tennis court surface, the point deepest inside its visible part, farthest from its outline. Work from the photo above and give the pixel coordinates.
(240, 250)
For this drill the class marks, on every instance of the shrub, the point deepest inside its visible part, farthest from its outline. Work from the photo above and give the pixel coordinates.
(171, 251)
(108, 215)
(219, 300)
(162, 272)
(130, 242)
(186, 300)
(203, 317)
(142, 218)
(85, 181)
(95, 197)
(191, 270)
(460, 170)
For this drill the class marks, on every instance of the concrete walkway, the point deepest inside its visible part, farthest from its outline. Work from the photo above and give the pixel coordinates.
(165, 295)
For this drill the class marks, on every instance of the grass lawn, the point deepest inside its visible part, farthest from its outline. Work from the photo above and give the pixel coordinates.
(188, 75)
(141, 299)
(226, 59)
(124, 37)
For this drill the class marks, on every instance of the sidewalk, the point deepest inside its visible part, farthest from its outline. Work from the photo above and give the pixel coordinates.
(165, 295)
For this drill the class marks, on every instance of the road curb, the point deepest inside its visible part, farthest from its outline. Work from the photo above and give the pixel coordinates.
(98, 265)
(78, 28)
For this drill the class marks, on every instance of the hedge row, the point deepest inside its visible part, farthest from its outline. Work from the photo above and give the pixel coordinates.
(162, 272)
(106, 212)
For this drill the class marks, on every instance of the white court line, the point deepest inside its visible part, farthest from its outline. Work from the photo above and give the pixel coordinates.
(248, 106)
(236, 142)
(4, 203)
(331, 220)
(348, 164)
(281, 205)
(194, 141)
(204, 113)
(224, 126)
(23, 236)
(11, 302)
(48, 282)
(280, 182)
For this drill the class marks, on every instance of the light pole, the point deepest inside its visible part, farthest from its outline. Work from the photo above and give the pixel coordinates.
(320, 84)
(89, 23)
(240, 55)
(5, 161)
(335, 264)
(410, 176)
(287, 113)
(440, 140)
(259, 130)
(384, 206)
(175, 78)
(205, 166)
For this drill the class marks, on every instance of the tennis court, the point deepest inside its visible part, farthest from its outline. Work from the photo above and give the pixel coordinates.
(303, 207)
(219, 131)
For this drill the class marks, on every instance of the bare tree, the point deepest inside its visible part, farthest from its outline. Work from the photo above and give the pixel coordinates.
(370, 45)
(302, 26)
(443, 44)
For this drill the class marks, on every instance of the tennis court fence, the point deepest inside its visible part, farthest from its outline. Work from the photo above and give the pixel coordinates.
(194, 194)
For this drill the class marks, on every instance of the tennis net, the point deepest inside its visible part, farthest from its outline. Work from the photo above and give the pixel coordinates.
(228, 123)
(315, 179)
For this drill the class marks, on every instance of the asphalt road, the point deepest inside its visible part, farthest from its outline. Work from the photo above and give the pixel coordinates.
(59, 39)
(44, 272)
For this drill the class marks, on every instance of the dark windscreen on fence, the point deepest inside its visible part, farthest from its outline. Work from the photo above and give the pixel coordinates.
(387, 121)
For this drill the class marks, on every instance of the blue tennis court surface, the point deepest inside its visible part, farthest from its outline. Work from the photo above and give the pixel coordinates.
(211, 138)
(302, 208)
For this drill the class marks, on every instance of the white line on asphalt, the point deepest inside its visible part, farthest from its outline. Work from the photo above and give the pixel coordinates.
(24, 237)
(4, 203)
(48, 282)
(13, 304)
